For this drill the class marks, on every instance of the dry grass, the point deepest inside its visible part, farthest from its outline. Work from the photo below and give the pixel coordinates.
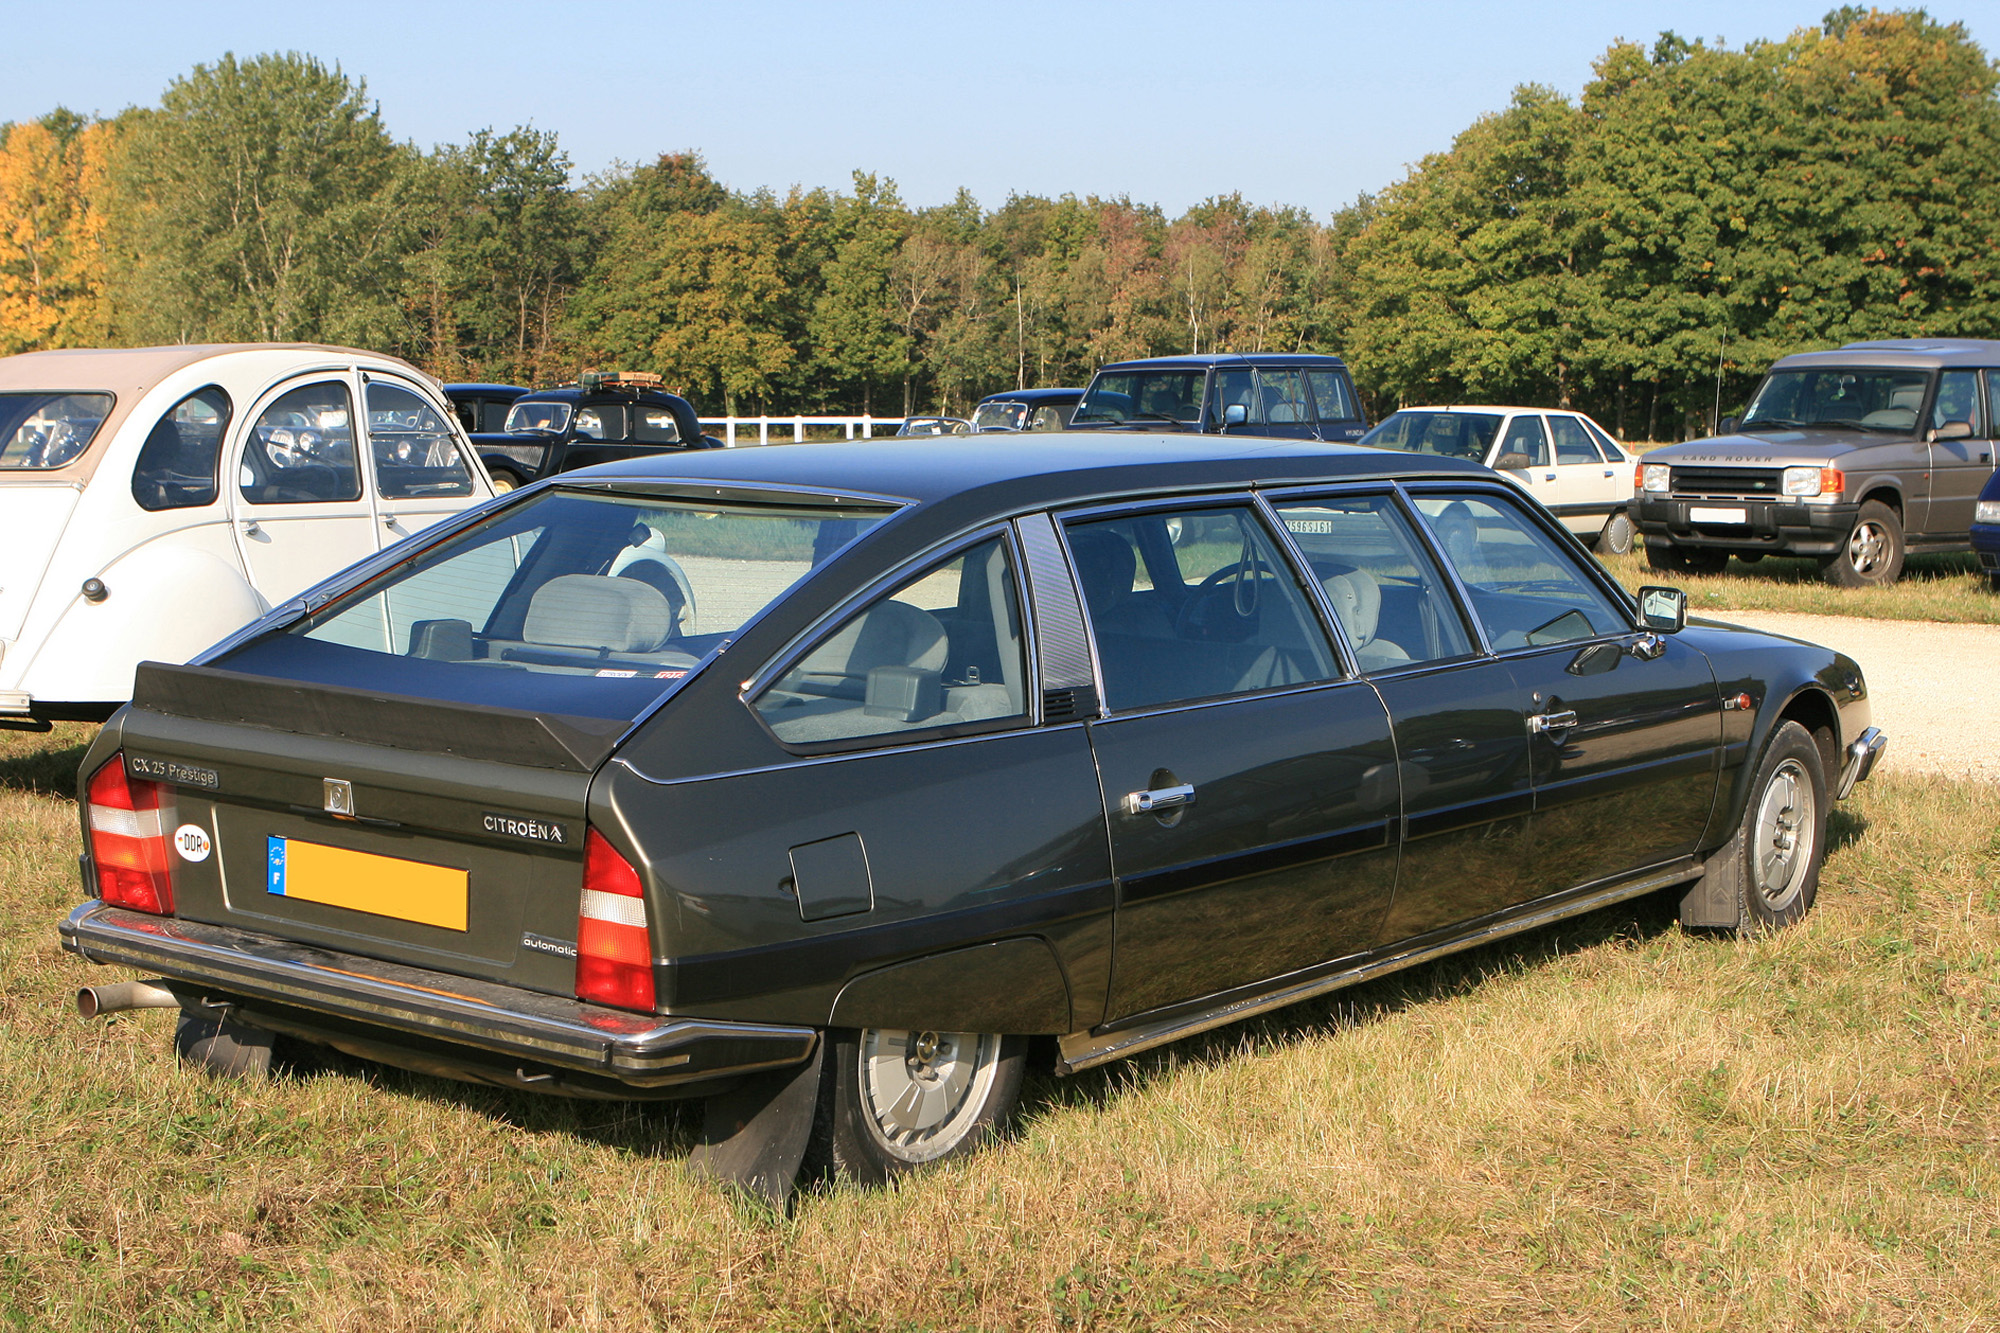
(1948, 588)
(1607, 1125)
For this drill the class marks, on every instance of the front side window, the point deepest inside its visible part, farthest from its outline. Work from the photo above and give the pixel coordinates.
(1388, 594)
(1141, 395)
(1193, 605)
(1525, 589)
(943, 650)
(415, 454)
(300, 450)
(1525, 444)
(1237, 388)
(1958, 400)
(566, 602)
(1333, 396)
(1572, 441)
(1885, 400)
(43, 431)
(551, 418)
(177, 463)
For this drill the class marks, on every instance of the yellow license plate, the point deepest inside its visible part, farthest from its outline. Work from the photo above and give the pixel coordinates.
(364, 882)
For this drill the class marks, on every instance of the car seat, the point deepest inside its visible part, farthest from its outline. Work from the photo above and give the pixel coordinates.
(1357, 601)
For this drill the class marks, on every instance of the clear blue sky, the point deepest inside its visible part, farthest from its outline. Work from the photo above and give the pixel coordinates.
(1285, 101)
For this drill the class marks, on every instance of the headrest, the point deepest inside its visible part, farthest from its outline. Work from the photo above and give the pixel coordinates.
(888, 634)
(1907, 395)
(1357, 600)
(593, 611)
(1105, 565)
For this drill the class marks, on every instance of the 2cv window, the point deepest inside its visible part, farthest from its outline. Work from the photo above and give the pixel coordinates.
(941, 651)
(415, 455)
(177, 463)
(41, 431)
(301, 449)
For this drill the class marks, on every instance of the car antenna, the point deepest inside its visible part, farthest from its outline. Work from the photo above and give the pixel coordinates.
(1715, 422)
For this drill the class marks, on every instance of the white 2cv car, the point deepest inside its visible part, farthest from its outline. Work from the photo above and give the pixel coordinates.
(155, 499)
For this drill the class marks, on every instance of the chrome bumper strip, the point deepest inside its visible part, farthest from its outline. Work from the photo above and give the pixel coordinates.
(642, 1050)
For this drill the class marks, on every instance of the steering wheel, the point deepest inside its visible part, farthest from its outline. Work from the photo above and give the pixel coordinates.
(1224, 606)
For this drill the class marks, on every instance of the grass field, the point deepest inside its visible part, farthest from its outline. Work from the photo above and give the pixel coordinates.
(1949, 588)
(1610, 1124)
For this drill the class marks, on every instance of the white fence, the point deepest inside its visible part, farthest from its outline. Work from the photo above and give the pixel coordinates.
(733, 429)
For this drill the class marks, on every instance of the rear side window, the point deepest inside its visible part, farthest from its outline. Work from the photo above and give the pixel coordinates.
(40, 431)
(300, 450)
(942, 651)
(177, 463)
(415, 454)
(656, 425)
(1194, 605)
(1333, 396)
(1385, 589)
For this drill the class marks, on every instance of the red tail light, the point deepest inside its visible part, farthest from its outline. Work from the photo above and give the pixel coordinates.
(130, 822)
(614, 947)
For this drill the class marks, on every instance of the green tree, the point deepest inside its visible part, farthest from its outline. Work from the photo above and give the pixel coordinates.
(854, 329)
(262, 201)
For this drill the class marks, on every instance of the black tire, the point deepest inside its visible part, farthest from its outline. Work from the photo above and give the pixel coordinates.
(1993, 580)
(1872, 555)
(860, 1135)
(1663, 554)
(1782, 844)
(222, 1048)
(1749, 557)
(1616, 538)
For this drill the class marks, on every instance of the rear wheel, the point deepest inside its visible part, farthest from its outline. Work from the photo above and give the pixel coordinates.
(222, 1048)
(1872, 556)
(893, 1101)
(1616, 538)
(1663, 554)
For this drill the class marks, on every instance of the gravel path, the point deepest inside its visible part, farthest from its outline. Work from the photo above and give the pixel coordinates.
(1934, 688)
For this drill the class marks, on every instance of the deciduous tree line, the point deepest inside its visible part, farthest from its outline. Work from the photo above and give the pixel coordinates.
(1638, 252)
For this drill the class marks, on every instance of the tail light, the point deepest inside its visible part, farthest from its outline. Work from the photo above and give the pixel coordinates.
(614, 947)
(129, 826)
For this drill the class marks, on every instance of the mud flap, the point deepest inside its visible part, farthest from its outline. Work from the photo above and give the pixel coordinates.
(1715, 901)
(754, 1137)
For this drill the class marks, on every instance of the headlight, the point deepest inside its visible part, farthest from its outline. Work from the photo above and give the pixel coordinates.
(1801, 481)
(1986, 511)
(1656, 477)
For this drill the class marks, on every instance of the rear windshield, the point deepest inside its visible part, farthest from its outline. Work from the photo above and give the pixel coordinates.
(1142, 395)
(42, 431)
(1452, 434)
(584, 604)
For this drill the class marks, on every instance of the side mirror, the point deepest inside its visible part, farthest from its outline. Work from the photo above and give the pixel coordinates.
(1664, 610)
(1953, 430)
(1516, 462)
(1234, 415)
(1726, 426)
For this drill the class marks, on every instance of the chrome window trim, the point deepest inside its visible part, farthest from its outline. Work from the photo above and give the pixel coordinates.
(835, 619)
(842, 756)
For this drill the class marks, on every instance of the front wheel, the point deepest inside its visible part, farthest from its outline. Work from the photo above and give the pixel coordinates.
(893, 1101)
(1616, 538)
(1783, 835)
(505, 481)
(1872, 556)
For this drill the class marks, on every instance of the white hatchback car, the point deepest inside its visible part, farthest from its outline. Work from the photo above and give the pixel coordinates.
(1562, 458)
(153, 500)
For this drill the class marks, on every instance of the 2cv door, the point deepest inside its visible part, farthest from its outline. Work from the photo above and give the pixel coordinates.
(297, 495)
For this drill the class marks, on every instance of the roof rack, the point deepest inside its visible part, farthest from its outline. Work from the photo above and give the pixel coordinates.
(612, 381)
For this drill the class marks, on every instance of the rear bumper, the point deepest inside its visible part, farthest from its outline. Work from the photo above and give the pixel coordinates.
(1770, 525)
(492, 1024)
(1861, 757)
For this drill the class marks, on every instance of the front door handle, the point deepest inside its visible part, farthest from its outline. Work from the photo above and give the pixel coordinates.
(1543, 723)
(1158, 799)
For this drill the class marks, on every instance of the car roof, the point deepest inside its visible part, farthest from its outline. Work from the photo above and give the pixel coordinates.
(456, 390)
(1900, 353)
(1485, 407)
(1203, 360)
(1033, 395)
(571, 393)
(1013, 472)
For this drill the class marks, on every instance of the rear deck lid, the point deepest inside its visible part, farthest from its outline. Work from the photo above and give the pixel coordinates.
(33, 516)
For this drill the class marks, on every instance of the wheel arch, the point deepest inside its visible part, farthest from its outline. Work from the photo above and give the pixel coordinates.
(1012, 986)
(1884, 493)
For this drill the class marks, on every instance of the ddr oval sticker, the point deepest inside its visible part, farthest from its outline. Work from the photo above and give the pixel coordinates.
(191, 841)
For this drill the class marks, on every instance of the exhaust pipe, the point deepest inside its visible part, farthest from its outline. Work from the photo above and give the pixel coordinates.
(92, 1001)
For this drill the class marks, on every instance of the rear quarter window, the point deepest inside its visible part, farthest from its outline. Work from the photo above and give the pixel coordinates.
(44, 431)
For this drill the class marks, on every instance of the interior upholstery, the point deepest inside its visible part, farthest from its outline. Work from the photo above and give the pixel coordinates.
(889, 634)
(593, 611)
(1357, 600)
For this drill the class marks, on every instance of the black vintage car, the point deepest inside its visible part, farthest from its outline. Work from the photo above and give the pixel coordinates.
(816, 782)
(600, 419)
(1297, 396)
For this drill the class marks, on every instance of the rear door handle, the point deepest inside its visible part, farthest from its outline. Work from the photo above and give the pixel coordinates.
(1542, 723)
(1158, 799)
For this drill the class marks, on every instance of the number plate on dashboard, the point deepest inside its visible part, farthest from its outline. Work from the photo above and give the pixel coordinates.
(364, 882)
(1703, 514)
